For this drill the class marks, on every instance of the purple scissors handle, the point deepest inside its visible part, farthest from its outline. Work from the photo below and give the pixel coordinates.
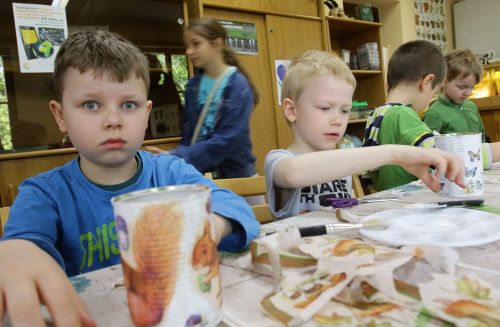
(342, 202)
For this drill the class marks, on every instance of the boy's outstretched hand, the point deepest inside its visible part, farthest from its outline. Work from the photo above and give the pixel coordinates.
(154, 150)
(30, 277)
(418, 160)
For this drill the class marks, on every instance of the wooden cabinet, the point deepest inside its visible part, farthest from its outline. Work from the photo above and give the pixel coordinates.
(285, 29)
(16, 167)
(489, 109)
(349, 34)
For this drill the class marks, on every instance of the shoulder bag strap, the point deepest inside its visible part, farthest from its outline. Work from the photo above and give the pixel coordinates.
(204, 111)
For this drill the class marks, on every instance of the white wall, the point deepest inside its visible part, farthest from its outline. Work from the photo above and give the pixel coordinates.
(477, 25)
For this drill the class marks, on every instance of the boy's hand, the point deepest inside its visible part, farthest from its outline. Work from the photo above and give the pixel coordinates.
(154, 150)
(417, 161)
(30, 277)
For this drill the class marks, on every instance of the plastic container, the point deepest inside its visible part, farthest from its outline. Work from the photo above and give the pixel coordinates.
(359, 110)
(368, 56)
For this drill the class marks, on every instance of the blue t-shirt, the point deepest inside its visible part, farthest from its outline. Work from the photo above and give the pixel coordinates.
(72, 219)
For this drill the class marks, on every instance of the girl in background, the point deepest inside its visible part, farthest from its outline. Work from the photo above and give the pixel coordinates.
(219, 101)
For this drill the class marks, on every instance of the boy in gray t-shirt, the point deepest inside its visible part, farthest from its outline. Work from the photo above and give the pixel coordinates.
(316, 101)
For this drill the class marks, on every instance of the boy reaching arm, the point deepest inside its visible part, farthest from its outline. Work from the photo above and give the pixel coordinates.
(317, 99)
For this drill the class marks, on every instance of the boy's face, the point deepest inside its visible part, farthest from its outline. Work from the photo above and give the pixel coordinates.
(460, 88)
(319, 116)
(105, 120)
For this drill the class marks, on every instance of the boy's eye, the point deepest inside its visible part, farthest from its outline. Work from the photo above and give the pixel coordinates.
(90, 105)
(346, 111)
(324, 108)
(129, 105)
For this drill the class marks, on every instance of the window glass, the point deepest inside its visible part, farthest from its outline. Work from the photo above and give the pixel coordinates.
(26, 123)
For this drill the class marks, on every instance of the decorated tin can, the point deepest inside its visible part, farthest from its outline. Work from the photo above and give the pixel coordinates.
(467, 146)
(169, 256)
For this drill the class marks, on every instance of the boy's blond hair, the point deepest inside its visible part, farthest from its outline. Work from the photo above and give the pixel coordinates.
(102, 52)
(463, 62)
(310, 64)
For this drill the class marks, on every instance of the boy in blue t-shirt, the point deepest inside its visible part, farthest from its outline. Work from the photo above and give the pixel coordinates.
(62, 222)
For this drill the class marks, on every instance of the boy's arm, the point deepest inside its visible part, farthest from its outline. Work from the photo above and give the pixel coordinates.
(495, 151)
(225, 204)
(323, 166)
(282, 202)
(30, 277)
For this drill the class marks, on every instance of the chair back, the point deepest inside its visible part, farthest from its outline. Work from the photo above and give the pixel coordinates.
(4, 215)
(357, 187)
(249, 186)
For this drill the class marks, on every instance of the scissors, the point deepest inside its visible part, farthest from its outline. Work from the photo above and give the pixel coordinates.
(350, 202)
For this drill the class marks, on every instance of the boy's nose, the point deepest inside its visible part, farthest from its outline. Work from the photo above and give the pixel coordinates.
(112, 119)
(335, 119)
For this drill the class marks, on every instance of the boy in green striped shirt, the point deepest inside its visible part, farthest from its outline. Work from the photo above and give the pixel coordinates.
(415, 74)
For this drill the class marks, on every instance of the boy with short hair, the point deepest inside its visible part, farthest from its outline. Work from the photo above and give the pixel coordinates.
(64, 218)
(452, 112)
(415, 74)
(317, 98)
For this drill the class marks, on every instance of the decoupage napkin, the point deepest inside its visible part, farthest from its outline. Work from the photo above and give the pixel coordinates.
(465, 301)
(343, 280)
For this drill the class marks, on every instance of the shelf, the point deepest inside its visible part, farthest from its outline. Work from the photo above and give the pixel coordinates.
(340, 27)
(366, 72)
(357, 121)
(487, 103)
(374, 3)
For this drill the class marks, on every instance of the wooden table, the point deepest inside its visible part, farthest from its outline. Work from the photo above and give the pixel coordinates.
(105, 296)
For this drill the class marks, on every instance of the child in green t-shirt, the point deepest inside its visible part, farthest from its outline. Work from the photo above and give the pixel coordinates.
(415, 73)
(452, 112)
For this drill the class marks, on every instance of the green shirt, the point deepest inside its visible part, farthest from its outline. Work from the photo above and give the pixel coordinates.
(446, 116)
(396, 124)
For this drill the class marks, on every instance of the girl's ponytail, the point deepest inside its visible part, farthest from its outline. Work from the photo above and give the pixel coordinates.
(231, 59)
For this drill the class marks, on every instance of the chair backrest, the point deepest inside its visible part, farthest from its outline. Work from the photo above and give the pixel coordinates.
(4, 215)
(357, 187)
(246, 187)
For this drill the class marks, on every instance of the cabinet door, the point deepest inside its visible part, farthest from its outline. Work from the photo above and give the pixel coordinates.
(288, 38)
(262, 125)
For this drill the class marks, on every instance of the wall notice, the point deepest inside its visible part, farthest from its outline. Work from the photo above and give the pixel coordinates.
(40, 30)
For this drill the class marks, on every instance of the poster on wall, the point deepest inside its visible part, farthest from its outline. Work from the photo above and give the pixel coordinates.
(40, 30)
(241, 37)
(280, 67)
(429, 20)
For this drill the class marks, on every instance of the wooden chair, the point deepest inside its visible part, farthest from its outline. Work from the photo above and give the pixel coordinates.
(249, 186)
(4, 215)
(357, 187)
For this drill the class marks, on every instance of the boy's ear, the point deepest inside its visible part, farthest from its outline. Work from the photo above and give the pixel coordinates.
(427, 81)
(289, 110)
(57, 112)
(149, 106)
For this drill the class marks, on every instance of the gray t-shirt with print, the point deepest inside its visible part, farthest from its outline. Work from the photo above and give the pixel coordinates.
(285, 203)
